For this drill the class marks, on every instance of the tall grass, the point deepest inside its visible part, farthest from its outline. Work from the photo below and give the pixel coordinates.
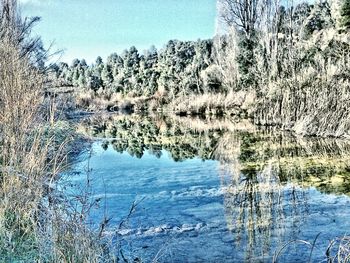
(37, 222)
(313, 102)
(216, 104)
(300, 72)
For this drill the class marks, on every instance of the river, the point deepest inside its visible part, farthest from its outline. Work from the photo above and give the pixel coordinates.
(190, 190)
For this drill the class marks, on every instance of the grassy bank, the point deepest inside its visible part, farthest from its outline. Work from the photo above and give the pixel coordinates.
(233, 104)
(38, 223)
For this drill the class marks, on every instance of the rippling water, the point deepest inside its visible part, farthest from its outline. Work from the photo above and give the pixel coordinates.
(214, 192)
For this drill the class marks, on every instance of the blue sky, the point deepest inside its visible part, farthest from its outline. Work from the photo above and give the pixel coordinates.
(88, 28)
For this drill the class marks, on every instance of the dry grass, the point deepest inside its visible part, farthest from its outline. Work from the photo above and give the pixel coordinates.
(106, 100)
(217, 104)
(37, 222)
(96, 101)
(315, 102)
(338, 250)
(310, 97)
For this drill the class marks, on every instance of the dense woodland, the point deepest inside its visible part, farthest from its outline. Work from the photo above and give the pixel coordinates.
(269, 62)
(176, 69)
(187, 67)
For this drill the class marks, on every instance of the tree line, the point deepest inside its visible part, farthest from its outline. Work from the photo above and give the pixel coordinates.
(281, 56)
(261, 41)
(175, 69)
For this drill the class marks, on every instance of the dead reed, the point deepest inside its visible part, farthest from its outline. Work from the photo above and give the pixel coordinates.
(38, 223)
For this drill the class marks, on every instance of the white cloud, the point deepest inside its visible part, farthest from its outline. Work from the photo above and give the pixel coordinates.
(27, 1)
(32, 2)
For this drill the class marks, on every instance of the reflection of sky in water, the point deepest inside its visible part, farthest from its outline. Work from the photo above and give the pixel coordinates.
(199, 211)
(253, 194)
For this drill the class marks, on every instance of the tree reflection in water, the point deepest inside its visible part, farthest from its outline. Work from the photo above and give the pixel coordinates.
(265, 173)
(257, 203)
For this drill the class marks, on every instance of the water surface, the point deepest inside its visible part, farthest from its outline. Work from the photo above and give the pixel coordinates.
(214, 191)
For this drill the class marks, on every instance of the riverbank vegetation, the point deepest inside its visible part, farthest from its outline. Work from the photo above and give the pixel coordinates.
(37, 222)
(279, 65)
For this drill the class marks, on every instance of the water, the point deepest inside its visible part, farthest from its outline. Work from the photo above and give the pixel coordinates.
(213, 191)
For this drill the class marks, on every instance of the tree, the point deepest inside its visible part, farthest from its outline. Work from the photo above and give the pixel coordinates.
(92, 81)
(81, 81)
(83, 63)
(345, 14)
(75, 63)
(176, 68)
(99, 61)
(242, 14)
(318, 18)
(107, 75)
(55, 69)
(112, 59)
(225, 60)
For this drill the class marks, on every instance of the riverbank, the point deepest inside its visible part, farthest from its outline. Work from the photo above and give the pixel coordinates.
(38, 222)
(236, 106)
(293, 74)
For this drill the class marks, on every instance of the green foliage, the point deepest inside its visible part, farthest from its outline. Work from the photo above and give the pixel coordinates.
(180, 142)
(175, 69)
(319, 18)
(345, 14)
(246, 62)
(276, 61)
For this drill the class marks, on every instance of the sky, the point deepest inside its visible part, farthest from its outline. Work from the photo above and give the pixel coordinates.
(91, 28)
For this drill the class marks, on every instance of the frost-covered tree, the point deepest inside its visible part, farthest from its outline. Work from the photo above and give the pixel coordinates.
(345, 14)
(98, 61)
(107, 75)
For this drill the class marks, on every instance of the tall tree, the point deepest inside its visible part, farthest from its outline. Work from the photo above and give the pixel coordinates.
(345, 14)
(245, 15)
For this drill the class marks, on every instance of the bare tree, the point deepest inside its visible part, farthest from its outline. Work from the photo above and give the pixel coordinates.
(225, 60)
(242, 14)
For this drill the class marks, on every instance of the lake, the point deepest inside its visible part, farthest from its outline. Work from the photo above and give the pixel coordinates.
(214, 190)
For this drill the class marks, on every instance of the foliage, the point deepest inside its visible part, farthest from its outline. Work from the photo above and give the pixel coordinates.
(175, 69)
(345, 14)
(283, 56)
